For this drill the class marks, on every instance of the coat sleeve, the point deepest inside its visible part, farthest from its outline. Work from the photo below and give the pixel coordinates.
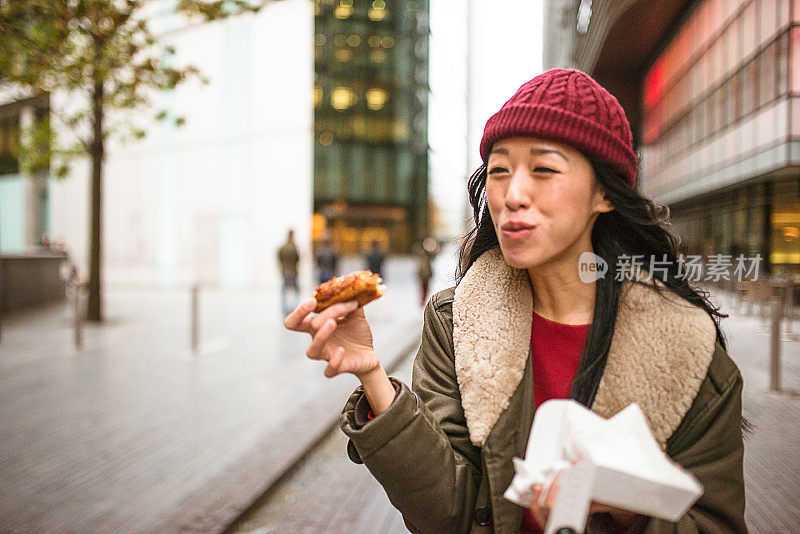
(709, 444)
(419, 448)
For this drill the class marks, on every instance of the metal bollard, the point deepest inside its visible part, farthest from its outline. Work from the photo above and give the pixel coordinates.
(78, 314)
(765, 299)
(779, 294)
(195, 334)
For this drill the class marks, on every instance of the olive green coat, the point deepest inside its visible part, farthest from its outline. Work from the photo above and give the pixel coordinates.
(443, 449)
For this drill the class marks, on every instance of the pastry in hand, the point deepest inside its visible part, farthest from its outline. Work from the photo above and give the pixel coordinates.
(363, 286)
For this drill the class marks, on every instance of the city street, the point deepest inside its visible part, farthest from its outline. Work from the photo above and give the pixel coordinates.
(169, 170)
(134, 433)
(314, 499)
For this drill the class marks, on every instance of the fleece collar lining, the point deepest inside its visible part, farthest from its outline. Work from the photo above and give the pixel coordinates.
(660, 350)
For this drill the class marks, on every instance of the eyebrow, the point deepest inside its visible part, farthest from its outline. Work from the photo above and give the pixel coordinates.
(534, 152)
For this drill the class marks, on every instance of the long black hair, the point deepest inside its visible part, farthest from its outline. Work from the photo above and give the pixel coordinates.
(636, 226)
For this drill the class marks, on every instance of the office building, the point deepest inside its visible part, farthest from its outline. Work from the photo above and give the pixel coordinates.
(712, 90)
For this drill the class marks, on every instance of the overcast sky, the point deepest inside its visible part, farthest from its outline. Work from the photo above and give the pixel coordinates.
(506, 52)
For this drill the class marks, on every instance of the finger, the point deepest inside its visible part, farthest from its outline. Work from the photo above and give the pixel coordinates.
(336, 311)
(540, 515)
(305, 325)
(294, 321)
(552, 493)
(538, 509)
(335, 361)
(315, 350)
(536, 492)
(597, 507)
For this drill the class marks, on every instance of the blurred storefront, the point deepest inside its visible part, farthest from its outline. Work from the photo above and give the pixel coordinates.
(371, 123)
(24, 199)
(210, 201)
(712, 90)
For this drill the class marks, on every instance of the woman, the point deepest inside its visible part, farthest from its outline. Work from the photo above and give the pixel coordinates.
(525, 323)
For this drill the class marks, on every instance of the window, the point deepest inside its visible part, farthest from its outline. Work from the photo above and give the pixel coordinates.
(785, 227)
(768, 76)
(715, 61)
(720, 108)
(769, 20)
(782, 74)
(733, 108)
(794, 59)
(708, 112)
(697, 124)
(749, 87)
(9, 139)
(750, 25)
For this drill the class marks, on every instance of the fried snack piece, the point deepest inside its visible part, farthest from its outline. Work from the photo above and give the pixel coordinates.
(364, 286)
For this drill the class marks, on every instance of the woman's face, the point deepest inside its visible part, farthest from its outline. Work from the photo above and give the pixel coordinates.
(543, 200)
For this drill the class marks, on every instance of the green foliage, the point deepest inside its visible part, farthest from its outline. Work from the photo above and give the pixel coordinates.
(78, 45)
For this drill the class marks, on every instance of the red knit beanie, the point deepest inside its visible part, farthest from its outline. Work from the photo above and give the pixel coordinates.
(567, 105)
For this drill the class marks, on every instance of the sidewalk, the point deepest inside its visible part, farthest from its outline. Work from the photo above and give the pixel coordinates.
(313, 498)
(327, 493)
(772, 446)
(136, 434)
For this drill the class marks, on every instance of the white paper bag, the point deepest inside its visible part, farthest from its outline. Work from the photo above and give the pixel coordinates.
(620, 462)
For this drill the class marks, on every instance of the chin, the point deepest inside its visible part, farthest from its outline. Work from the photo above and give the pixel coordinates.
(519, 258)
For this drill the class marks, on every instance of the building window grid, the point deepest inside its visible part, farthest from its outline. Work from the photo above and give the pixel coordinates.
(713, 104)
(702, 50)
(367, 143)
(712, 47)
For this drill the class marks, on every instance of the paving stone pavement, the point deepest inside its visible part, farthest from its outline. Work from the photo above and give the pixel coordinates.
(328, 493)
(772, 445)
(134, 433)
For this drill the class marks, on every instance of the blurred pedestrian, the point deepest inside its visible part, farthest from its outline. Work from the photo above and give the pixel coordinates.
(425, 252)
(289, 258)
(327, 259)
(375, 258)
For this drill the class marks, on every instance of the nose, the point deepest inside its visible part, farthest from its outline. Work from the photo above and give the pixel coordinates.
(518, 194)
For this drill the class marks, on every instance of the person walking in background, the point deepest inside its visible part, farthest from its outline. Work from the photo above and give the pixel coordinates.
(327, 260)
(289, 258)
(425, 252)
(375, 258)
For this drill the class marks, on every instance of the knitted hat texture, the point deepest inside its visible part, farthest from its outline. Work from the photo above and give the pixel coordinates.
(568, 106)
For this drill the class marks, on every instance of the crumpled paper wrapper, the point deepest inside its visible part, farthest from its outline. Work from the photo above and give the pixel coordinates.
(630, 469)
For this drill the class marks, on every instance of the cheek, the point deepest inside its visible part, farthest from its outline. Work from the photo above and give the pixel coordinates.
(567, 208)
(566, 200)
(495, 198)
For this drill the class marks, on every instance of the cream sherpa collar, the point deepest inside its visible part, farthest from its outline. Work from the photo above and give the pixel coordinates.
(659, 356)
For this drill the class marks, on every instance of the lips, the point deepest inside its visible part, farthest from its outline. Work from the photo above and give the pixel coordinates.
(517, 230)
(515, 226)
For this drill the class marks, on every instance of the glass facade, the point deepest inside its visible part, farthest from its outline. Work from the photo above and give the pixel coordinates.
(24, 199)
(12, 185)
(9, 140)
(719, 145)
(370, 122)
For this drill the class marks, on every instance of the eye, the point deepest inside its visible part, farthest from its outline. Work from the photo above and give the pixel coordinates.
(543, 169)
(497, 170)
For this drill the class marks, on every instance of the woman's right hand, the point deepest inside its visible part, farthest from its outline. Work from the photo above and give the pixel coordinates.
(340, 335)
